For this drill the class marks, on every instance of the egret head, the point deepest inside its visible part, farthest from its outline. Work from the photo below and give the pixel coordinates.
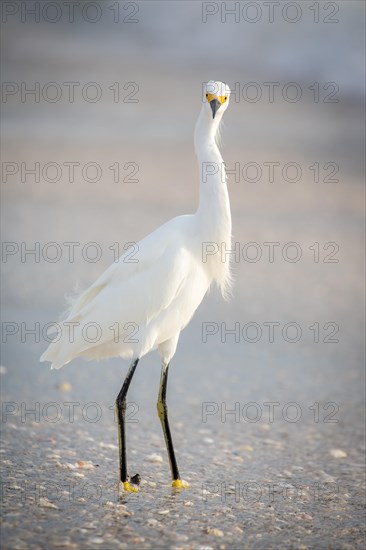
(216, 98)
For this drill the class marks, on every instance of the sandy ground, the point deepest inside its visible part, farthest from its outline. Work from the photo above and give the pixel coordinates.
(286, 468)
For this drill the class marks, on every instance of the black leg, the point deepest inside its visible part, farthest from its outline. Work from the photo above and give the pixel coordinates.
(163, 415)
(121, 413)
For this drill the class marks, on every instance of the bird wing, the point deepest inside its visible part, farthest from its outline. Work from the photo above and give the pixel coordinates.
(129, 293)
(150, 251)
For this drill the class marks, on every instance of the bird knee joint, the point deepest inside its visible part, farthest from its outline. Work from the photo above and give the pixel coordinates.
(121, 405)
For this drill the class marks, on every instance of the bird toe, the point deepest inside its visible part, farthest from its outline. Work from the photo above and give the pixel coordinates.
(180, 484)
(129, 488)
(136, 479)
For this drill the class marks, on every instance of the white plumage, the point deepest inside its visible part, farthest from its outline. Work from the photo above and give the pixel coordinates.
(152, 300)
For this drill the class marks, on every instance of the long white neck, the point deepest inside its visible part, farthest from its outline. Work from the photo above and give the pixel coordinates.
(213, 214)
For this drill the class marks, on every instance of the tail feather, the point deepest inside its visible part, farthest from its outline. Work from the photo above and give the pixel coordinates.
(61, 352)
(52, 354)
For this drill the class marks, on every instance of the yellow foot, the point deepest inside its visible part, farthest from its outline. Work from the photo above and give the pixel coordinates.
(180, 484)
(129, 488)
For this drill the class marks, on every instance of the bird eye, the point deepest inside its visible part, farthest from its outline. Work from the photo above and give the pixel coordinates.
(225, 97)
(206, 96)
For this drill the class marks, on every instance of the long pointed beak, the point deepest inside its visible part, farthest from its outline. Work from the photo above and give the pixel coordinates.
(215, 105)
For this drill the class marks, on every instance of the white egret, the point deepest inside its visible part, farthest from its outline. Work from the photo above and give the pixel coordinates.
(160, 292)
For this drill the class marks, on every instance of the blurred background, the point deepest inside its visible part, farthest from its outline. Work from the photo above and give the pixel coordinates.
(136, 70)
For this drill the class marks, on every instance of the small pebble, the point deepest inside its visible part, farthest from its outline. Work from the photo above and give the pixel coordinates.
(154, 458)
(87, 465)
(265, 427)
(108, 445)
(45, 503)
(64, 387)
(326, 477)
(273, 443)
(337, 453)
(247, 448)
(304, 516)
(121, 510)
